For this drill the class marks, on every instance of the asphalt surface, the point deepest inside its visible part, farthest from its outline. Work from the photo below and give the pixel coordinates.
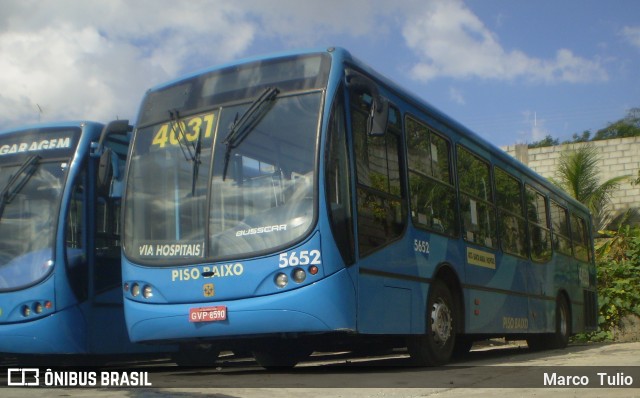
(497, 369)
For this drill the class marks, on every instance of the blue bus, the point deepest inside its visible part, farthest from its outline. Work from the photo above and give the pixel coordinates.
(60, 268)
(302, 201)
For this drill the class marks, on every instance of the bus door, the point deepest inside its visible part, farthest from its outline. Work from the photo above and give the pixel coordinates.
(104, 310)
(384, 297)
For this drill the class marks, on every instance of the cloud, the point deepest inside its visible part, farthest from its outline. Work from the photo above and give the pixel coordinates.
(302, 23)
(632, 35)
(451, 41)
(456, 96)
(537, 130)
(94, 59)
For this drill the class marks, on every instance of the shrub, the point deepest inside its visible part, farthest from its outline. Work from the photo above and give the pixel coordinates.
(618, 273)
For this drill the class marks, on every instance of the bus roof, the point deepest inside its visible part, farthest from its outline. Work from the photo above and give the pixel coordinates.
(462, 130)
(341, 56)
(58, 124)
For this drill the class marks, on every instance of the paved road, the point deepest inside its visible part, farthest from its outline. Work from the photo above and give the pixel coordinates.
(502, 371)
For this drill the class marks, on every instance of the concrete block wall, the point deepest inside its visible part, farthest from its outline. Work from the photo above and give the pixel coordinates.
(618, 157)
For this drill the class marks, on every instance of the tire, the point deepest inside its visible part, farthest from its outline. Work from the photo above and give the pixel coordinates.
(435, 347)
(462, 347)
(537, 342)
(281, 356)
(196, 355)
(558, 339)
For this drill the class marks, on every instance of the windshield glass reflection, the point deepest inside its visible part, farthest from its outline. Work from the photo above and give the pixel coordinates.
(27, 225)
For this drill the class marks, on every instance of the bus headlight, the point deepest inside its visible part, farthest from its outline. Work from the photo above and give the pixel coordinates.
(38, 308)
(26, 310)
(147, 292)
(299, 275)
(135, 290)
(281, 280)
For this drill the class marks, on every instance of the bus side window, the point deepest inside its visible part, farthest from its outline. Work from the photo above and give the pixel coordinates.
(433, 197)
(476, 199)
(511, 222)
(539, 231)
(75, 238)
(338, 184)
(580, 238)
(560, 224)
(379, 194)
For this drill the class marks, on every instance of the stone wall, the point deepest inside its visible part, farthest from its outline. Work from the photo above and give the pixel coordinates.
(618, 157)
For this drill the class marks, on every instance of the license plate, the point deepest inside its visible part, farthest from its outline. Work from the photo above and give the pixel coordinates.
(208, 314)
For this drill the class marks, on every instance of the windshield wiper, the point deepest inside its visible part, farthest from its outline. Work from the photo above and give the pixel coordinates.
(192, 151)
(196, 162)
(244, 125)
(176, 125)
(18, 181)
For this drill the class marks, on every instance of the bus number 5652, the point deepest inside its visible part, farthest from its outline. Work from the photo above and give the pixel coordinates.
(304, 257)
(421, 246)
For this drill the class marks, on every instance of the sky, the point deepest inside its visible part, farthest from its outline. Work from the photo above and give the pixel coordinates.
(513, 71)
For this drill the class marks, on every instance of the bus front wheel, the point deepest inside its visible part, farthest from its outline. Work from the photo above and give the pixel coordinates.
(196, 355)
(435, 347)
(281, 355)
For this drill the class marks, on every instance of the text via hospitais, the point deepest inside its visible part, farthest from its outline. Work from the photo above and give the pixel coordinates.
(171, 250)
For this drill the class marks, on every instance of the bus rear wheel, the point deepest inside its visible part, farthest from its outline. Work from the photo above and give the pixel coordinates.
(435, 347)
(559, 338)
(563, 324)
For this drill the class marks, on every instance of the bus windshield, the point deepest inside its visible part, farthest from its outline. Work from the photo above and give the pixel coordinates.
(230, 179)
(33, 166)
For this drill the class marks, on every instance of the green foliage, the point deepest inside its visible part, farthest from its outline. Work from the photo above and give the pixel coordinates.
(637, 180)
(629, 126)
(546, 141)
(618, 272)
(578, 174)
(584, 137)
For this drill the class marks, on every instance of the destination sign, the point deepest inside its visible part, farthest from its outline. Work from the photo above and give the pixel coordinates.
(44, 142)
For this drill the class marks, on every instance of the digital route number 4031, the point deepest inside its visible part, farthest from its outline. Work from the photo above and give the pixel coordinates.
(170, 133)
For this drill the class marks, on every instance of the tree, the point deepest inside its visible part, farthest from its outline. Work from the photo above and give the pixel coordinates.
(546, 141)
(578, 175)
(629, 126)
(584, 137)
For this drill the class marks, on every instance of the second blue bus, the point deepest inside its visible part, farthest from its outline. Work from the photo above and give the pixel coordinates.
(60, 268)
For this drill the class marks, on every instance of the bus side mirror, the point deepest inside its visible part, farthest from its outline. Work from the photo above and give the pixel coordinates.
(105, 172)
(379, 110)
(379, 117)
(108, 179)
(114, 127)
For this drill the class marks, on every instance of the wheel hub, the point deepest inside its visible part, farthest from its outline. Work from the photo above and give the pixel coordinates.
(441, 322)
